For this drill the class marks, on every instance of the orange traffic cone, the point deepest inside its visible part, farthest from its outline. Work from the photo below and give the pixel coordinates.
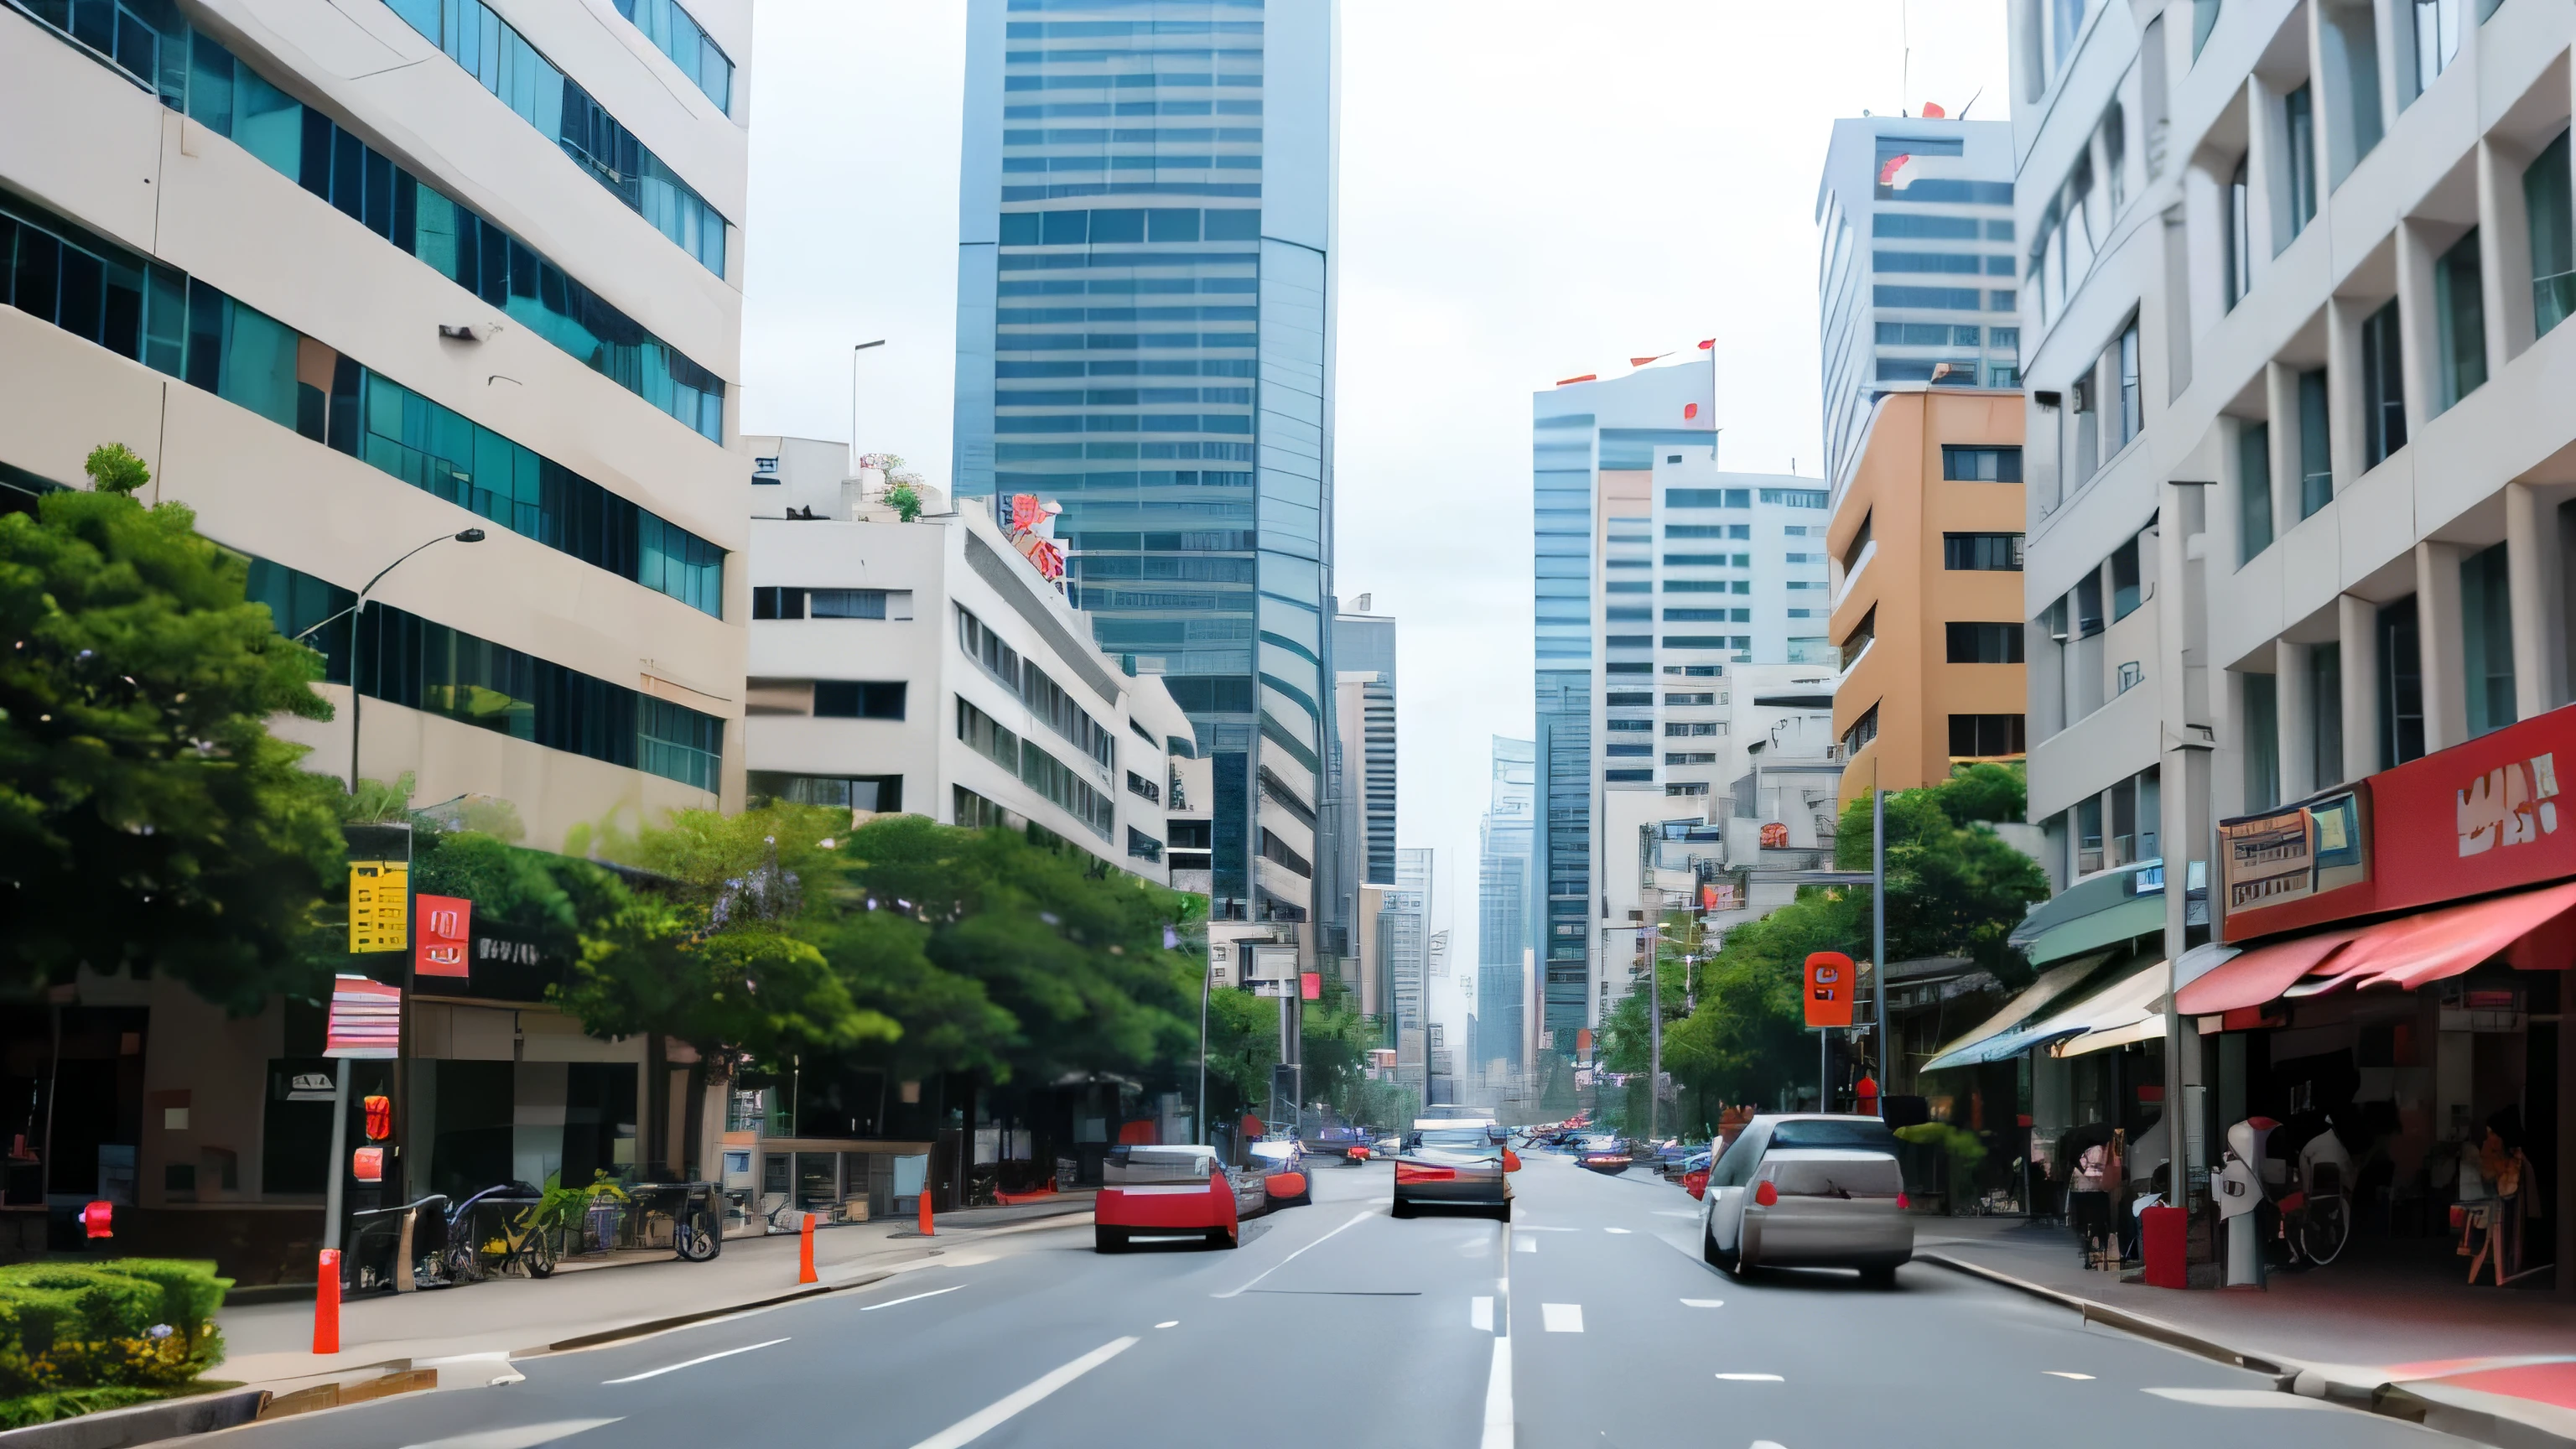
(326, 1303)
(805, 1252)
(925, 1213)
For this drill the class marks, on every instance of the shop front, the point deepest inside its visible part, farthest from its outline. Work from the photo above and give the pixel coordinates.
(2388, 1004)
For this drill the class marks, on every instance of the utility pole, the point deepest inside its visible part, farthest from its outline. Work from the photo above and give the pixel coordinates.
(1654, 1041)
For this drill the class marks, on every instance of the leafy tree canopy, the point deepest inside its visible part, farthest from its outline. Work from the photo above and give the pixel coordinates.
(148, 820)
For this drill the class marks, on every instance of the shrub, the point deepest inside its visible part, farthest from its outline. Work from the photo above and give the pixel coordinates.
(122, 1322)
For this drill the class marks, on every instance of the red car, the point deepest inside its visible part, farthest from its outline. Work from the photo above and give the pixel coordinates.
(1164, 1192)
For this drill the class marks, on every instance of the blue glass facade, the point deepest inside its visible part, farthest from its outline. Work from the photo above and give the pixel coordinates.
(1144, 334)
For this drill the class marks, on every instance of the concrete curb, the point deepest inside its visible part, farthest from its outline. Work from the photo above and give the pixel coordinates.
(2497, 1419)
(141, 1424)
(683, 1320)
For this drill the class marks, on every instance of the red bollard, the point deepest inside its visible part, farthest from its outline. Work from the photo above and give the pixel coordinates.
(326, 1303)
(805, 1252)
(925, 1212)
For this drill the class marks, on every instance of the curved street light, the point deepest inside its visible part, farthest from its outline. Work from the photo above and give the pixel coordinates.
(357, 637)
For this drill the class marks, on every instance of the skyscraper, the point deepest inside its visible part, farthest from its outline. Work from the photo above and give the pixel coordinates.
(1918, 274)
(1359, 820)
(1145, 333)
(1503, 933)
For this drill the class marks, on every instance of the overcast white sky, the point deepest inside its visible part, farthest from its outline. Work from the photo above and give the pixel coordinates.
(1529, 190)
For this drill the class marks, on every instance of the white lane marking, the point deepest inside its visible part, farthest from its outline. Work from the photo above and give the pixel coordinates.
(1674, 1213)
(1525, 1245)
(1524, 1227)
(1614, 1230)
(1498, 1398)
(916, 1298)
(1169, 1323)
(1767, 1444)
(1480, 1314)
(2239, 1398)
(693, 1362)
(983, 1421)
(1764, 1379)
(1703, 1303)
(2063, 1374)
(1355, 1220)
(517, 1436)
(1562, 1317)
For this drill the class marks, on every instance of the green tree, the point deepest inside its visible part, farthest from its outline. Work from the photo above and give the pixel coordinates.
(148, 819)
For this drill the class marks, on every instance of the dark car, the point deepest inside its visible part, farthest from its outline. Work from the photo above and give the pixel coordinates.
(1448, 1163)
(1604, 1153)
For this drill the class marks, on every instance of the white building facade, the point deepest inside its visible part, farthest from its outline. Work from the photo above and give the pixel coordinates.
(929, 668)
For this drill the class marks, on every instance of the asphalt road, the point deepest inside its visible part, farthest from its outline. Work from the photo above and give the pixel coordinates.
(1589, 1322)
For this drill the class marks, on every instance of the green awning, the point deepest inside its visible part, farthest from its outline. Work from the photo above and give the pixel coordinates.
(2136, 916)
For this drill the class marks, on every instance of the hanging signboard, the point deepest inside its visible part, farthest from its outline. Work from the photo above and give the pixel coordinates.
(446, 934)
(379, 906)
(1829, 990)
(365, 1020)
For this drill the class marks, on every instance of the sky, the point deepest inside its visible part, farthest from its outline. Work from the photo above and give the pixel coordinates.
(1529, 190)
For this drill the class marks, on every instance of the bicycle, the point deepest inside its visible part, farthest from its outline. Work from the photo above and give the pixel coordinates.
(527, 1247)
(2319, 1219)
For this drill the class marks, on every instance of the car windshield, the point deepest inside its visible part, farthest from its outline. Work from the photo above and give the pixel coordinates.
(1600, 1144)
(1454, 1139)
(1855, 1132)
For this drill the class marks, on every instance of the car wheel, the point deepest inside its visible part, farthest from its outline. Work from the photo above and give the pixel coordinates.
(1878, 1275)
(1222, 1237)
(1715, 1256)
(1108, 1240)
(1400, 1209)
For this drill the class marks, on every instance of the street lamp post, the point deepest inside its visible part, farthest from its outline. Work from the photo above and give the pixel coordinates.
(357, 635)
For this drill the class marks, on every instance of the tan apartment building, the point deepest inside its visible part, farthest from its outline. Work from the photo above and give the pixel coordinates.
(1925, 549)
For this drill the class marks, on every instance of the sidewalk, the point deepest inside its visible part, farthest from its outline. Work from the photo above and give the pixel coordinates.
(2389, 1326)
(269, 1344)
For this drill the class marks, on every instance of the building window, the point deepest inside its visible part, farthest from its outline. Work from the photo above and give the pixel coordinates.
(2126, 353)
(2486, 627)
(1694, 699)
(988, 736)
(1141, 846)
(2437, 40)
(2126, 593)
(2545, 196)
(1862, 731)
(2459, 321)
(879, 794)
(2401, 685)
(1985, 736)
(1689, 757)
(1984, 643)
(2253, 490)
(1981, 551)
(2238, 255)
(676, 34)
(1148, 790)
(1860, 637)
(2262, 742)
(2204, 17)
(2088, 834)
(2383, 388)
(2348, 32)
(1699, 787)
(858, 699)
(1686, 729)
(974, 812)
(2299, 117)
(2325, 712)
(2316, 444)
(1980, 464)
(1791, 497)
(1708, 498)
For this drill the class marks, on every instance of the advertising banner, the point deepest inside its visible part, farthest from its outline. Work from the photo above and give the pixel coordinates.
(365, 1020)
(2475, 818)
(446, 933)
(379, 906)
(1829, 989)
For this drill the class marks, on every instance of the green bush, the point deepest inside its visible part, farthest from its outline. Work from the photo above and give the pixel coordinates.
(120, 1322)
(28, 1410)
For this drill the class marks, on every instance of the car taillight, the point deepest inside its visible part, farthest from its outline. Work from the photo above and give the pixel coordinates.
(1902, 1201)
(1766, 1195)
(1416, 1172)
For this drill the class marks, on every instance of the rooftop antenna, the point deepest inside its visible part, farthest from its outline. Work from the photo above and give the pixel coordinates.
(1972, 100)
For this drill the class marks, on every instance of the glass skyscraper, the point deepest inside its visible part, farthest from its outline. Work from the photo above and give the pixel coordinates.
(1145, 334)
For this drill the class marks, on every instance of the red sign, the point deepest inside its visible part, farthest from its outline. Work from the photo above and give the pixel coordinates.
(380, 1118)
(443, 925)
(365, 1021)
(1775, 836)
(1310, 985)
(367, 1164)
(1829, 989)
(98, 1220)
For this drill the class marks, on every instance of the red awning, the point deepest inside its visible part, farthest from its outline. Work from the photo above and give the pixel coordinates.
(2260, 974)
(2406, 953)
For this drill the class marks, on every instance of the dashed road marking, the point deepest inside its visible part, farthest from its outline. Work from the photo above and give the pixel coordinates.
(692, 1363)
(2063, 1374)
(2239, 1398)
(983, 1421)
(1763, 1379)
(1169, 1323)
(1614, 1230)
(915, 1298)
(1562, 1317)
(1480, 1313)
(1703, 1303)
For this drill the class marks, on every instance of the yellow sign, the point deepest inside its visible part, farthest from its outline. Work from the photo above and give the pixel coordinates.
(379, 906)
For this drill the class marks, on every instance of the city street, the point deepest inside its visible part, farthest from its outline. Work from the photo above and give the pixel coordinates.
(1590, 1321)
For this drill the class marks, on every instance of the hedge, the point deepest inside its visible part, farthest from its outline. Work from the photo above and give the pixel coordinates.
(117, 1323)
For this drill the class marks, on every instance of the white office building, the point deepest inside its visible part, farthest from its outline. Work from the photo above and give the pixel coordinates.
(929, 667)
(1916, 276)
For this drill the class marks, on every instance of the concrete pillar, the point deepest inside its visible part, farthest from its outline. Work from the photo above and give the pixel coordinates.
(2439, 643)
(2281, 396)
(2536, 582)
(2343, 388)
(2296, 712)
(2359, 619)
(2504, 252)
(2417, 369)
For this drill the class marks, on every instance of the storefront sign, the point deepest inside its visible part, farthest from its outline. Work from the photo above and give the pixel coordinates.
(446, 930)
(2476, 818)
(379, 906)
(1829, 990)
(2275, 868)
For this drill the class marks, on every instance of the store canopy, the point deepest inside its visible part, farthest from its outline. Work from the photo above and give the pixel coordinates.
(2131, 918)
(2131, 1010)
(1991, 1039)
(2087, 897)
(2406, 953)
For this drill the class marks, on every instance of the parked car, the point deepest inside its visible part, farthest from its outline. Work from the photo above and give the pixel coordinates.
(1170, 1192)
(1695, 1175)
(1451, 1163)
(1603, 1153)
(1808, 1190)
(1281, 1163)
